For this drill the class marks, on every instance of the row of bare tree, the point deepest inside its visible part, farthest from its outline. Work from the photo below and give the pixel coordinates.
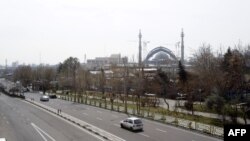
(221, 80)
(218, 79)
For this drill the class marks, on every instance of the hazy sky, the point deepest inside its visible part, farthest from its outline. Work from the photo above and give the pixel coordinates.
(49, 31)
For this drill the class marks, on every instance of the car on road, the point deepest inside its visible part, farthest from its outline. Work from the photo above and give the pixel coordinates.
(132, 123)
(52, 96)
(3, 139)
(44, 98)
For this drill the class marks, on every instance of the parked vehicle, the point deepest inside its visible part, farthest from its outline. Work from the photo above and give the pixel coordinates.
(52, 96)
(132, 123)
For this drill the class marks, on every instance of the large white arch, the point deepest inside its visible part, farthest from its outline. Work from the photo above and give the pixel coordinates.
(160, 49)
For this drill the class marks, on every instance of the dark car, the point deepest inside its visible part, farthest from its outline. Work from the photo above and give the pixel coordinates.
(53, 96)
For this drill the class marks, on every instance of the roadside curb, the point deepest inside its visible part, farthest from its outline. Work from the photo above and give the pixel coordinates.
(95, 130)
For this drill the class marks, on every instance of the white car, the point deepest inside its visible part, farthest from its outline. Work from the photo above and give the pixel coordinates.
(132, 123)
(3, 139)
(44, 98)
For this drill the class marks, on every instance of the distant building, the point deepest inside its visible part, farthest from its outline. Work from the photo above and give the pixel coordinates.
(15, 64)
(100, 62)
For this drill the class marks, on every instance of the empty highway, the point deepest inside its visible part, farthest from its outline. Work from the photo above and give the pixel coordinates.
(21, 121)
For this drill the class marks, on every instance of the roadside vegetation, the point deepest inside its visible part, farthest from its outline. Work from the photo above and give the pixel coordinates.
(220, 82)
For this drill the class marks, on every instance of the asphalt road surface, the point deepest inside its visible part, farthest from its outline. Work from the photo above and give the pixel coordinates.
(109, 121)
(20, 121)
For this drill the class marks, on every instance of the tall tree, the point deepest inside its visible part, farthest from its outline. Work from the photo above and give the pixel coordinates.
(205, 66)
(162, 80)
(23, 74)
(186, 86)
(182, 73)
(70, 68)
(233, 68)
(48, 75)
(225, 64)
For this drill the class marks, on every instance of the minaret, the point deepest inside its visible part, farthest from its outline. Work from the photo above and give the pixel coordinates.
(182, 46)
(140, 36)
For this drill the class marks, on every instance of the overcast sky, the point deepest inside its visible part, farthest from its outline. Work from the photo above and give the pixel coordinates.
(49, 31)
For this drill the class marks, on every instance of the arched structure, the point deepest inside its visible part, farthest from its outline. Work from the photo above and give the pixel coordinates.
(158, 50)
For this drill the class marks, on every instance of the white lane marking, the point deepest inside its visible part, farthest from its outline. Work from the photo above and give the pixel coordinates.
(98, 137)
(40, 131)
(116, 125)
(99, 112)
(98, 118)
(160, 130)
(85, 114)
(40, 134)
(144, 135)
(88, 132)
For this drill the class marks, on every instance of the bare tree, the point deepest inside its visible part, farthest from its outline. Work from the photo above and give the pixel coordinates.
(206, 67)
(102, 85)
(23, 74)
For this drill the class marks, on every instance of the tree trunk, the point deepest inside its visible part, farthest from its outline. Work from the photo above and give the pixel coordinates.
(166, 102)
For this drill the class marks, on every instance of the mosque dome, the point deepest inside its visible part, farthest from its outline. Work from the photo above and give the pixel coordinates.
(161, 56)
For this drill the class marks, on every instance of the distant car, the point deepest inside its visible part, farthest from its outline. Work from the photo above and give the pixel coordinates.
(132, 123)
(52, 96)
(44, 98)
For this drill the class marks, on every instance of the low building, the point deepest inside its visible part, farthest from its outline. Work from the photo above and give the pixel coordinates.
(101, 62)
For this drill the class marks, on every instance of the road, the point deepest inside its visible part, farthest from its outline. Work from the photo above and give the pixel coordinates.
(109, 121)
(21, 121)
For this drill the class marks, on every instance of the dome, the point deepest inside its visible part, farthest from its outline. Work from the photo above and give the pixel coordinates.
(161, 56)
